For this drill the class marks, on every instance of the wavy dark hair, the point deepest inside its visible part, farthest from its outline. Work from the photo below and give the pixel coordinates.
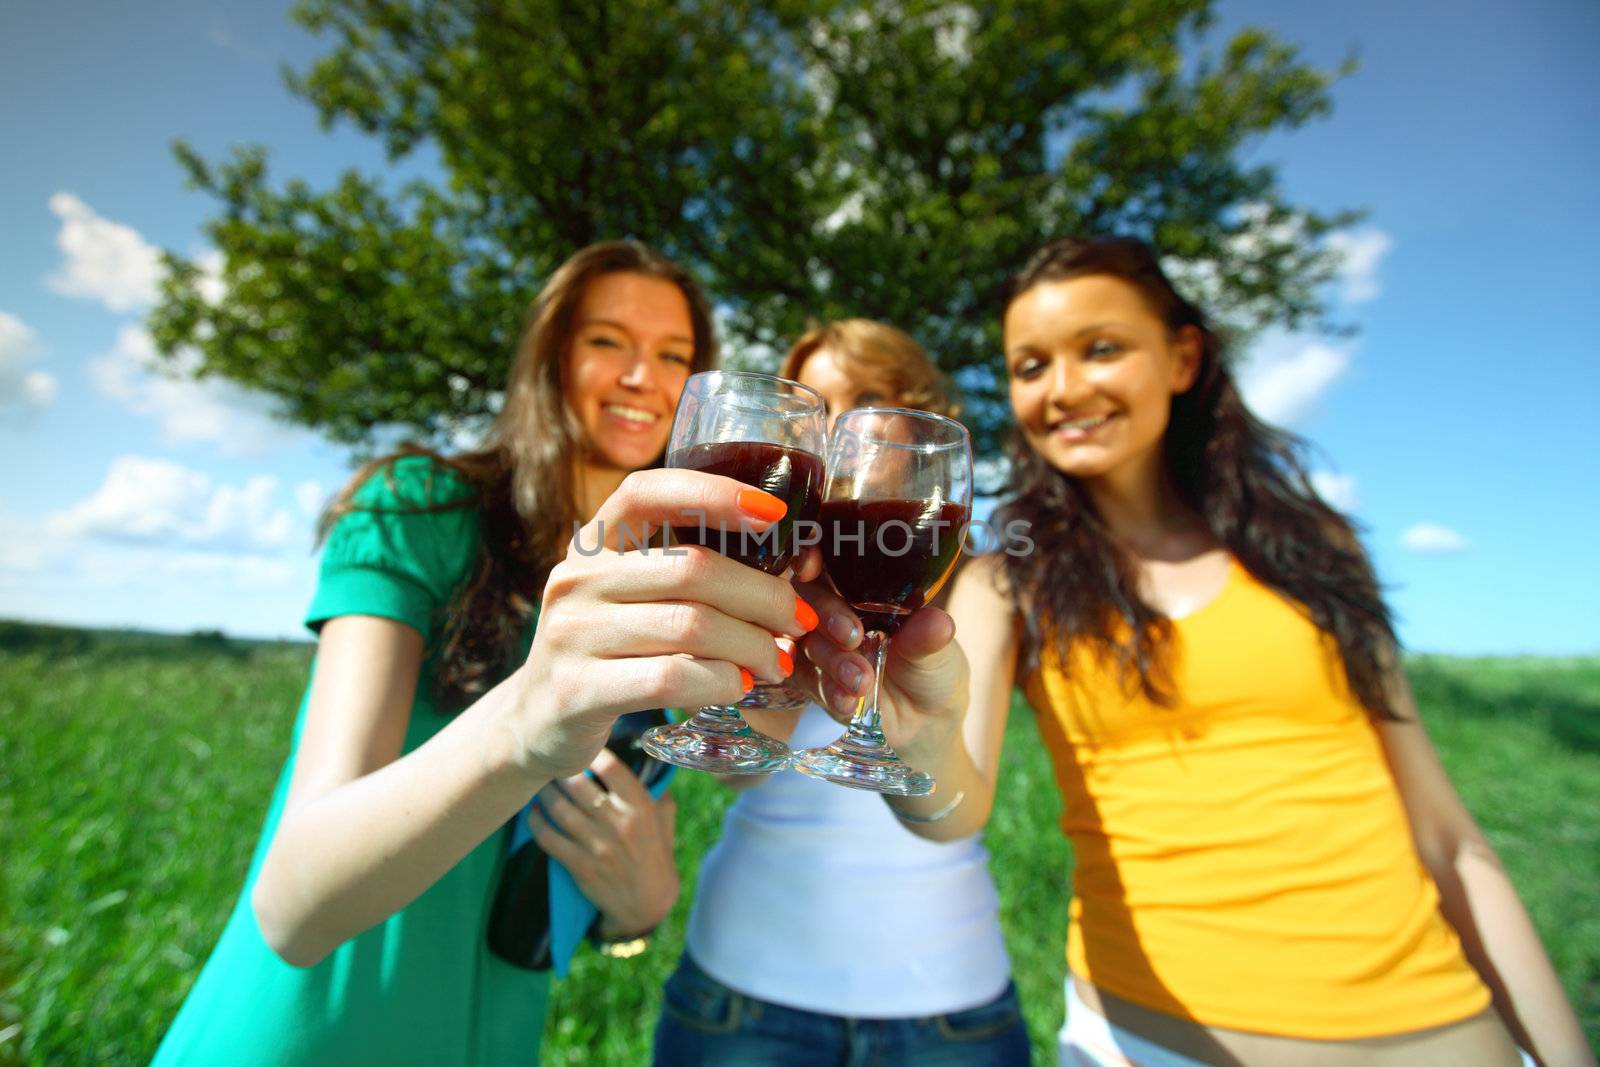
(520, 478)
(1248, 481)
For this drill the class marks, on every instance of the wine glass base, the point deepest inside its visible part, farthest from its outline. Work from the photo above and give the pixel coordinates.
(720, 751)
(859, 767)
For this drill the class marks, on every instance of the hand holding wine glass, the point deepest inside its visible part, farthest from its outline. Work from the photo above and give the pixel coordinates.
(923, 696)
(623, 628)
(768, 433)
(893, 516)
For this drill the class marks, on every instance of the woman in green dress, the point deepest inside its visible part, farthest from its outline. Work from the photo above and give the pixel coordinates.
(435, 708)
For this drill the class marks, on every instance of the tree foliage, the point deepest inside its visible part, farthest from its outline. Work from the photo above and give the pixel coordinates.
(810, 158)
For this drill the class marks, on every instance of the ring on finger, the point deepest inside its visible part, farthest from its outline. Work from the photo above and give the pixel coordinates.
(600, 801)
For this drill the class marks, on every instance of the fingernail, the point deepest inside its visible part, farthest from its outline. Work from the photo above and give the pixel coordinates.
(805, 615)
(785, 662)
(746, 679)
(763, 506)
(850, 677)
(842, 629)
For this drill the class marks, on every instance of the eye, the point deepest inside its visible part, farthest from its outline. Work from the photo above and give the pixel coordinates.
(1104, 348)
(865, 400)
(601, 340)
(1027, 368)
(680, 358)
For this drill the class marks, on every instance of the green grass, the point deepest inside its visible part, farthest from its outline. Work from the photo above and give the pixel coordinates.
(134, 772)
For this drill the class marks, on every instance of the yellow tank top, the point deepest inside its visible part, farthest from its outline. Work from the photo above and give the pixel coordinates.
(1243, 857)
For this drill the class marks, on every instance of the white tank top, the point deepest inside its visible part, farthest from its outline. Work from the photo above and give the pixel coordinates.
(817, 898)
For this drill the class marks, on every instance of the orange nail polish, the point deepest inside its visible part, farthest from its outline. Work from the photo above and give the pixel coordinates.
(805, 615)
(747, 679)
(786, 662)
(763, 506)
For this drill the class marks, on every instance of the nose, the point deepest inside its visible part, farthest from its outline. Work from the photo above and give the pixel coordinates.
(1069, 386)
(638, 373)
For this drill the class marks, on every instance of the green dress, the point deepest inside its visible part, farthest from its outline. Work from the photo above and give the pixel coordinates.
(421, 987)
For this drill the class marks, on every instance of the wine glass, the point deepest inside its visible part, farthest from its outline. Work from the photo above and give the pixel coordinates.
(893, 518)
(769, 433)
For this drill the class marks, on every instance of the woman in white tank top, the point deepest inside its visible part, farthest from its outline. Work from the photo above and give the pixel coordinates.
(779, 967)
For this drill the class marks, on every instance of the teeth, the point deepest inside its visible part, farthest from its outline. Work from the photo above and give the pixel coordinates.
(632, 414)
(1083, 424)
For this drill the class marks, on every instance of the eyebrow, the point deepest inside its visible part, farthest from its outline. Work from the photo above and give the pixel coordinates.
(1092, 327)
(1028, 346)
(615, 325)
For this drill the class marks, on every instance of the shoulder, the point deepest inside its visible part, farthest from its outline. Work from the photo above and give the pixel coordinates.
(981, 602)
(413, 482)
(983, 577)
(407, 503)
(402, 542)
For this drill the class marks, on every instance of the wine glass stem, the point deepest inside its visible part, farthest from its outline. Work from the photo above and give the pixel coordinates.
(865, 725)
(720, 719)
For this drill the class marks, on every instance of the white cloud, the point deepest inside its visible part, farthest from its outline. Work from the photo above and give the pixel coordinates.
(211, 286)
(237, 571)
(1360, 252)
(39, 388)
(25, 546)
(155, 501)
(1432, 539)
(309, 496)
(1287, 376)
(189, 410)
(105, 261)
(1261, 233)
(22, 389)
(1339, 490)
(18, 342)
(82, 581)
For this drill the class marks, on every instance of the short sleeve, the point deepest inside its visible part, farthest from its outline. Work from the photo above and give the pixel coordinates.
(409, 542)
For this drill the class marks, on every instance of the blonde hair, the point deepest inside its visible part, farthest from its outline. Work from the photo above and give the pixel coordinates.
(880, 358)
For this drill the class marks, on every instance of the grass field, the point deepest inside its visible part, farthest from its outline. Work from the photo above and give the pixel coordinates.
(134, 772)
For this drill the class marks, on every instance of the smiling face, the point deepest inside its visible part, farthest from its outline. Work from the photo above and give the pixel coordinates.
(1093, 370)
(631, 350)
(840, 392)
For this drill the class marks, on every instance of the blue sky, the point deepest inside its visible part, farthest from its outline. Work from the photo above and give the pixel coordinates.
(1459, 424)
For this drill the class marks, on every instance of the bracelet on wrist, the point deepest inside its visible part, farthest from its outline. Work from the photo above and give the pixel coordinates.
(618, 948)
(923, 820)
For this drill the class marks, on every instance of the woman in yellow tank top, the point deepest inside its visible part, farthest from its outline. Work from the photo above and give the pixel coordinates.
(1272, 867)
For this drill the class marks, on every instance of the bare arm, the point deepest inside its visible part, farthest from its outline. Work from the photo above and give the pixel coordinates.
(986, 630)
(364, 833)
(1477, 897)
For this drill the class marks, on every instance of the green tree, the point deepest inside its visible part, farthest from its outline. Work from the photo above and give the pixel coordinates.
(811, 158)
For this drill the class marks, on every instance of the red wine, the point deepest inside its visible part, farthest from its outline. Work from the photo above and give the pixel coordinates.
(889, 557)
(793, 476)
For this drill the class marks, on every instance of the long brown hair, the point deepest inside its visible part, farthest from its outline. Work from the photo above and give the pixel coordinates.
(1246, 479)
(882, 358)
(521, 475)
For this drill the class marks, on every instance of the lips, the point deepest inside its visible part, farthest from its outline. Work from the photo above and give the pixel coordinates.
(1081, 427)
(637, 418)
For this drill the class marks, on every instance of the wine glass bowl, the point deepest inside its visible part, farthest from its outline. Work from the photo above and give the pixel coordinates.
(767, 432)
(893, 520)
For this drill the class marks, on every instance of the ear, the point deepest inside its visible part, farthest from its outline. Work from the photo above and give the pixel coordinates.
(1187, 347)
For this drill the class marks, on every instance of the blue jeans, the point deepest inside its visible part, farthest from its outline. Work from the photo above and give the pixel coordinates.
(706, 1024)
